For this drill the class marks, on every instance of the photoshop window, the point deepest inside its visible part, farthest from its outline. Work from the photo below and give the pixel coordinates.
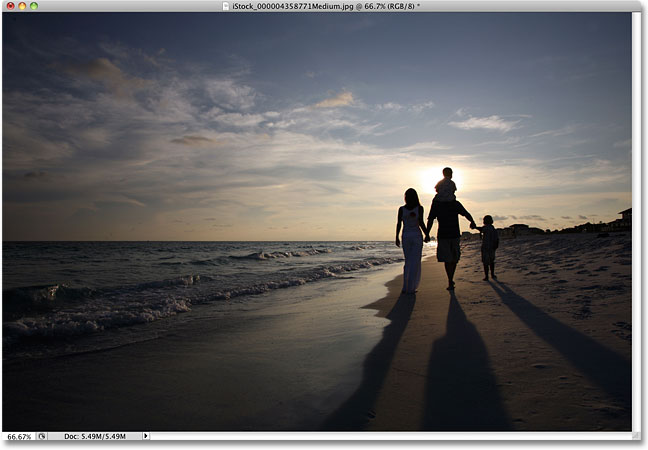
(328, 220)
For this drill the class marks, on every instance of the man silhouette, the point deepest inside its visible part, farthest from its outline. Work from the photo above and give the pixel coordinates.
(448, 234)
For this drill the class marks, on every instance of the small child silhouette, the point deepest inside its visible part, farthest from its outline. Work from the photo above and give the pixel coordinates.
(490, 242)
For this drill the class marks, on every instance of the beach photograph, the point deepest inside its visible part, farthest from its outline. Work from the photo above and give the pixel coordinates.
(317, 222)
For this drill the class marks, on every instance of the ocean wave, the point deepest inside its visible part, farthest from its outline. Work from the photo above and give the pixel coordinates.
(262, 256)
(17, 302)
(30, 300)
(185, 280)
(93, 317)
(316, 274)
(361, 247)
(141, 303)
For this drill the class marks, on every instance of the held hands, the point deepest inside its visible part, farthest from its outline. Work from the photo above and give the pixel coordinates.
(473, 225)
(427, 238)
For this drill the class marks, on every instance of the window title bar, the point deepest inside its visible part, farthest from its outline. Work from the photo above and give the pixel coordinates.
(321, 6)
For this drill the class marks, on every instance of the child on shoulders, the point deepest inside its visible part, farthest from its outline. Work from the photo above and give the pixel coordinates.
(445, 188)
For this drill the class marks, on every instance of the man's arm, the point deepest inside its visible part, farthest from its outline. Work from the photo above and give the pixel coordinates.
(467, 215)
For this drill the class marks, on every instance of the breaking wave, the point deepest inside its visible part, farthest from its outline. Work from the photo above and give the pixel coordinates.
(56, 311)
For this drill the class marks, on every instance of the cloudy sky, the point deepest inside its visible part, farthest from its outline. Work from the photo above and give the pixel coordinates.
(308, 126)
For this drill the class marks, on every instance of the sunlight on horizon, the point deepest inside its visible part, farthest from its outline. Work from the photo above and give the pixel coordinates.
(431, 176)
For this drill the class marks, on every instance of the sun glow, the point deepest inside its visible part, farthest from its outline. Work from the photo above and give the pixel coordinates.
(431, 176)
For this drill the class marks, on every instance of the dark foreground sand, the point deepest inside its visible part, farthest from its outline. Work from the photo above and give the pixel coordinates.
(533, 351)
(278, 362)
(525, 353)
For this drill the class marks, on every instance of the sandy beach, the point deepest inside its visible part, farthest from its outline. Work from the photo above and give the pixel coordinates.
(546, 347)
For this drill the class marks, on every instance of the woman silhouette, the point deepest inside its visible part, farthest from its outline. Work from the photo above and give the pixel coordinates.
(410, 216)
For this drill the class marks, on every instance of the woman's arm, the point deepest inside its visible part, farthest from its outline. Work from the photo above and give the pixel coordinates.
(422, 225)
(399, 219)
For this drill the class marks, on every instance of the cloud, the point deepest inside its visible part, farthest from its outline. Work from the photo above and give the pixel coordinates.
(397, 107)
(565, 217)
(38, 175)
(390, 130)
(486, 123)
(419, 107)
(512, 141)
(117, 202)
(623, 144)
(422, 147)
(104, 71)
(95, 136)
(390, 106)
(342, 99)
(121, 52)
(193, 141)
(230, 94)
(235, 119)
(582, 217)
(500, 218)
(319, 172)
(569, 129)
(533, 217)
(323, 122)
(30, 139)
(281, 124)
(82, 214)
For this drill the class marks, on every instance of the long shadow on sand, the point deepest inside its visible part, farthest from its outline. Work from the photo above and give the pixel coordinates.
(461, 392)
(609, 370)
(357, 411)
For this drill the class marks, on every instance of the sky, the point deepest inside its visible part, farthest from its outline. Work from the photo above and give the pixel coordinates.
(238, 126)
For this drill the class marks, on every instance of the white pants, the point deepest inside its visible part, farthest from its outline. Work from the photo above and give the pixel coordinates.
(412, 249)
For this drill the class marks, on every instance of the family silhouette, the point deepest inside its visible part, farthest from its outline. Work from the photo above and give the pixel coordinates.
(445, 209)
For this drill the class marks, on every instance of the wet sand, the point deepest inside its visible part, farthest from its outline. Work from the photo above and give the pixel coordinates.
(279, 362)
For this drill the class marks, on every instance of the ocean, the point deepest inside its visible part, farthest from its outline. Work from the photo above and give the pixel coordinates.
(66, 297)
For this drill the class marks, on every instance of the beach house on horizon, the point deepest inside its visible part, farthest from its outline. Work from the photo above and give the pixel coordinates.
(622, 224)
(512, 231)
(521, 229)
(518, 229)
